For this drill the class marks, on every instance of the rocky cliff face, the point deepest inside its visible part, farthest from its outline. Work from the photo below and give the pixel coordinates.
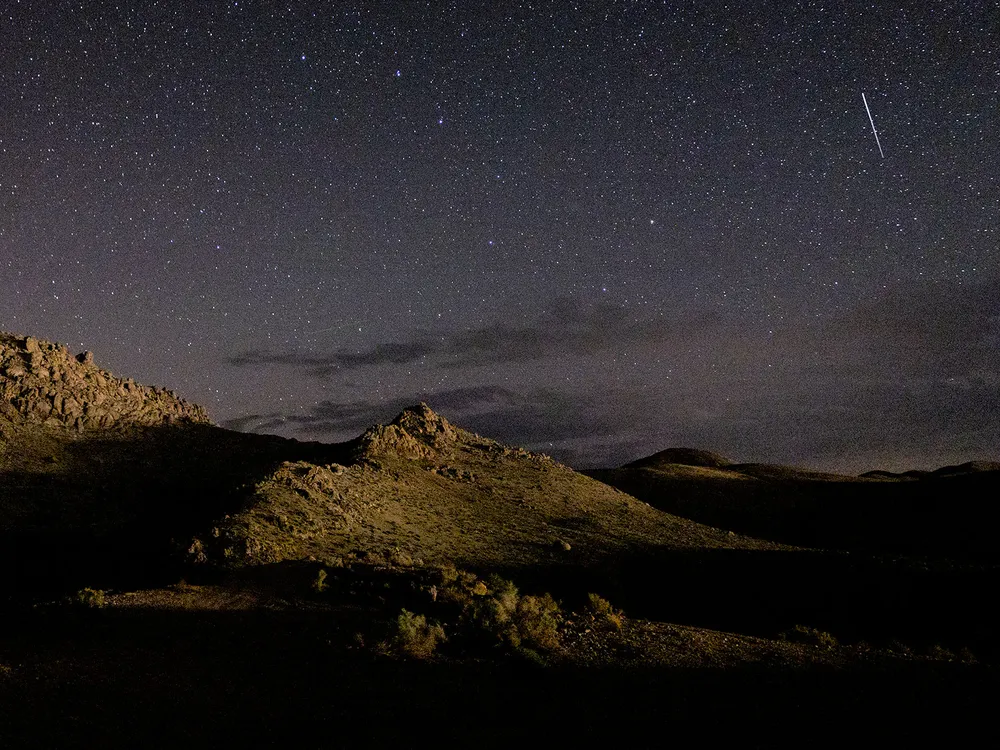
(42, 383)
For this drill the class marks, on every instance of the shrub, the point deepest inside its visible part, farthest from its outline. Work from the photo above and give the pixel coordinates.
(966, 655)
(602, 610)
(537, 622)
(521, 622)
(494, 612)
(93, 598)
(447, 575)
(809, 636)
(414, 637)
(319, 585)
(898, 647)
(937, 651)
(400, 559)
(458, 587)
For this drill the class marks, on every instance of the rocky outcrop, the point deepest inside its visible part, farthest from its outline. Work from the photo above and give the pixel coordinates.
(425, 425)
(41, 382)
(418, 432)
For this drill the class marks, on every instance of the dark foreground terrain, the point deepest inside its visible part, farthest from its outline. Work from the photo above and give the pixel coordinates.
(172, 583)
(209, 671)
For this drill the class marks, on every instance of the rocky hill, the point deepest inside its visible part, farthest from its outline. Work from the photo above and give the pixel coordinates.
(98, 473)
(421, 488)
(41, 382)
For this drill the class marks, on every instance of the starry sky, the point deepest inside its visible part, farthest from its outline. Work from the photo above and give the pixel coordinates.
(595, 229)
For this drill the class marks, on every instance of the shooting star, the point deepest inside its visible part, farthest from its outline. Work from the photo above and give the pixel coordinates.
(873, 124)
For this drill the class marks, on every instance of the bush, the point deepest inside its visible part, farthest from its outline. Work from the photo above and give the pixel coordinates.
(319, 585)
(898, 647)
(458, 587)
(92, 598)
(493, 612)
(937, 651)
(414, 637)
(966, 655)
(447, 575)
(602, 610)
(537, 622)
(809, 636)
(521, 622)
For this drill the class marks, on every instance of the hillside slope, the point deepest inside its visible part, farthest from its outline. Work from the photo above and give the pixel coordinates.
(422, 488)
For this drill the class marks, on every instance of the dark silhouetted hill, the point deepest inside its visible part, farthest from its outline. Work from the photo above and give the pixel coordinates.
(950, 512)
(683, 456)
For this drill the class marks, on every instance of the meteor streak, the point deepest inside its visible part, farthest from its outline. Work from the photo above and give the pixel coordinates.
(873, 124)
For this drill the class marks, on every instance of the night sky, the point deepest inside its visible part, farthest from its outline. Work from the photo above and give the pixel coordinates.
(595, 229)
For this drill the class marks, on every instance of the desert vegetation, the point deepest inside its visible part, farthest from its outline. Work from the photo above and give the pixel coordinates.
(413, 636)
(90, 598)
(812, 636)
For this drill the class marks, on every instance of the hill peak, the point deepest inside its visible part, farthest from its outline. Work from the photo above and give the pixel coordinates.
(417, 432)
(426, 425)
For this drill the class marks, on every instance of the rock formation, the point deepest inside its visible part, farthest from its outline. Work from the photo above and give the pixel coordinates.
(416, 433)
(42, 383)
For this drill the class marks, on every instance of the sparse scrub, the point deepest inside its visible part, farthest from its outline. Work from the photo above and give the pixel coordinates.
(537, 621)
(520, 622)
(447, 574)
(965, 655)
(458, 587)
(400, 559)
(88, 597)
(319, 584)
(898, 647)
(413, 636)
(494, 612)
(602, 611)
(809, 636)
(937, 651)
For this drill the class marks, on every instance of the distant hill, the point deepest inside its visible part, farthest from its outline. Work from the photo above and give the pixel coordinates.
(682, 456)
(947, 512)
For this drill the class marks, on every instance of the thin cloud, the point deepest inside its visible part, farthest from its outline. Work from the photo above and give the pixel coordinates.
(569, 330)
(896, 382)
